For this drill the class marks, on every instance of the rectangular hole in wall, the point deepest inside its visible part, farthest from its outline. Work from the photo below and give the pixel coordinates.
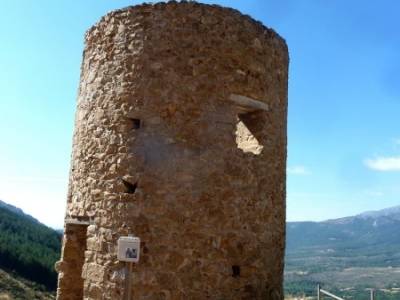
(250, 123)
(130, 188)
(135, 123)
(247, 127)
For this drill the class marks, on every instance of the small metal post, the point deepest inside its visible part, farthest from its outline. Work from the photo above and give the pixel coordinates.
(128, 281)
(318, 295)
(372, 294)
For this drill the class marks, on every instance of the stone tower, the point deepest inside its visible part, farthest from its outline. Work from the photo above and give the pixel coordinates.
(180, 139)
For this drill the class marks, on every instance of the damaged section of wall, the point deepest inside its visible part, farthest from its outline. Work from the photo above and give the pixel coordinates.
(70, 282)
(180, 139)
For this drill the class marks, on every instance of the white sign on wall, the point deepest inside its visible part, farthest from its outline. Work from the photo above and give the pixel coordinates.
(129, 248)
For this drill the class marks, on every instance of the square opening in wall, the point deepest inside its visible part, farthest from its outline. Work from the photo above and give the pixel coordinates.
(246, 127)
(130, 188)
(249, 124)
(136, 123)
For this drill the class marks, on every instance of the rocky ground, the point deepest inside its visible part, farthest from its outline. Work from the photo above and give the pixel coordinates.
(12, 287)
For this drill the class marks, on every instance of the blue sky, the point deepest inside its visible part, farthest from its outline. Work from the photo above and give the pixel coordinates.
(344, 101)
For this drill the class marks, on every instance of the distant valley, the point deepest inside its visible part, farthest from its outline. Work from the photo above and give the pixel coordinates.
(347, 255)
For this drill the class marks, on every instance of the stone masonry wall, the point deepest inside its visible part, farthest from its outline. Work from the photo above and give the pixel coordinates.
(164, 149)
(71, 282)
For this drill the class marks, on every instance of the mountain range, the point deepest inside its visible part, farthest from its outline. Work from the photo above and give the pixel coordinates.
(367, 230)
(349, 254)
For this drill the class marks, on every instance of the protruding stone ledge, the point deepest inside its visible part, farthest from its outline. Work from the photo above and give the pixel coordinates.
(73, 221)
(246, 104)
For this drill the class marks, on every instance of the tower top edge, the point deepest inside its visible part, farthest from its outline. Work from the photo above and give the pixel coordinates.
(148, 8)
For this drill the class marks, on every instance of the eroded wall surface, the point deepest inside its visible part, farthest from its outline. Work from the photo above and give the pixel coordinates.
(161, 151)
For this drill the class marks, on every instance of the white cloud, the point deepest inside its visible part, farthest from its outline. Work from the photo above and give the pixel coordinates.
(298, 170)
(390, 163)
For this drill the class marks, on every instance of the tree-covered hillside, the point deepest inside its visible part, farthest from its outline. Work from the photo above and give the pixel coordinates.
(28, 248)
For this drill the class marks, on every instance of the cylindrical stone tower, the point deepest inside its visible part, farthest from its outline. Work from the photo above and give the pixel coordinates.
(180, 139)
